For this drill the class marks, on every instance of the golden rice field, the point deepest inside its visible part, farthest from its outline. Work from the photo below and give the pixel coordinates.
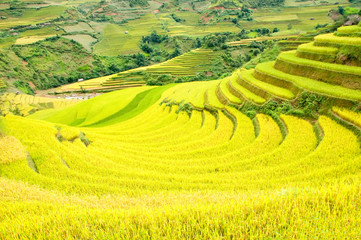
(31, 39)
(188, 161)
(24, 104)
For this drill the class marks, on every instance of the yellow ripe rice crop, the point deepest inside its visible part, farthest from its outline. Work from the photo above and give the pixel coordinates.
(349, 29)
(310, 47)
(250, 156)
(11, 150)
(332, 39)
(31, 39)
(68, 133)
(348, 115)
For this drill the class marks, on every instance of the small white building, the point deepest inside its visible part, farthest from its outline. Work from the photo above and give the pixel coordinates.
(80, 79)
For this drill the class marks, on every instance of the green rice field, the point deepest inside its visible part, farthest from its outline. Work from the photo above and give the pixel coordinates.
(31, 16)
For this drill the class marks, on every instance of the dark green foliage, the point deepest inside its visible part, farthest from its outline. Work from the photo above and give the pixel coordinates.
(159, 80)
(176, 53)
(321, 26)
(159, 48)
(145, 47)
(57, 61)
(270, 53)
(341, 10)
(15, 4)
(176, 18)
(215, 40)
(349, 55)
(69, 62)
(231, 61)
(262, 31)
(154, 37)
(263, 3)
(244, 14)
(307, 105)
(24, 87)
(310, 104)
(140, 60)
(133, 3)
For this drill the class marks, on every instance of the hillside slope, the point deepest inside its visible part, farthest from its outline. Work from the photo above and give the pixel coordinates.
(260, 154)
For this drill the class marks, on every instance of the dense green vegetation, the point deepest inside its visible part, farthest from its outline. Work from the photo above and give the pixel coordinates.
(117, 36)
(70, 62)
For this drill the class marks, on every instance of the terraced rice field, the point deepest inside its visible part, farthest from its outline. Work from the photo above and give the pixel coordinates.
(31, 39)
(32, 36)
(84, 39)
(249, 41)
(79, 27)
(31, 16)
(116, 41)
(24, 105)
(187, 161)
(187, 64)
(301, 18)
(191, 26)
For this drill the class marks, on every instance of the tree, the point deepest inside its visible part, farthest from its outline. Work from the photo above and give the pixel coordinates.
(140, 60)
(341, 10)
(154, 37)
(199, 43)
(176, 52)
(146, 48)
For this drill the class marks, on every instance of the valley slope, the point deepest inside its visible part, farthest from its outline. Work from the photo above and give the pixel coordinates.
(270, 152)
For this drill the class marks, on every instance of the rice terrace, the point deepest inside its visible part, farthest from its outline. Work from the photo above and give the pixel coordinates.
(169, 119)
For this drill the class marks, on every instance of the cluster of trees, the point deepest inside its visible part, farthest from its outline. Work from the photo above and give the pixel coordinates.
(176, 18)
(69, 62)
(265, 31)
(244, 14)
(263, 3)
(147, 45)
(157, 46)
(154, 37)
(218, 40)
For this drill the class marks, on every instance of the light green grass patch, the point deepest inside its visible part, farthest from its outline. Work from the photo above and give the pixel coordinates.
(81, 26)
(115, 40)
(84, 39)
